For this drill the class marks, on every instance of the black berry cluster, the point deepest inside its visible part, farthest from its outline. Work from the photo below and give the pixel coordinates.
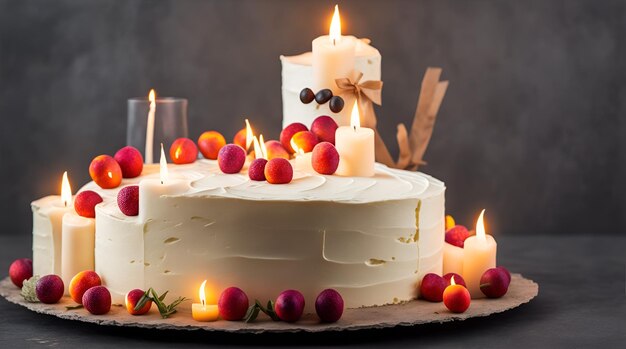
(322, 97)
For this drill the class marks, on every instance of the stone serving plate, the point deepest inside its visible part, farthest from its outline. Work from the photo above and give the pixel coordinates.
(412, 313)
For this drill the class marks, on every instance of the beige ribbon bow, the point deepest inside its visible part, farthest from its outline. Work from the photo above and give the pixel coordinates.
(366, 93)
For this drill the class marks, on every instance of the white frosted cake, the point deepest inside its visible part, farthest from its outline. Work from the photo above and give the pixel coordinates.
(370, 238)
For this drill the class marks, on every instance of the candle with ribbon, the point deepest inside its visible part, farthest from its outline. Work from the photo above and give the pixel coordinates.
(48, 215)
(202, 311)
(355, 145)
(333, 56)
(479, 254)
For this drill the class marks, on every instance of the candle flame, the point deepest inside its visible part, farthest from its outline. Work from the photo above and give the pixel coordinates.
(249, 135)
(66, 191)
(335, 27)
(263, 148)
(452, 280)
(296, 149)
(152, 97)
(202, 293)
(480, 227)
(163, 173)
(258, 151)
(355, 118)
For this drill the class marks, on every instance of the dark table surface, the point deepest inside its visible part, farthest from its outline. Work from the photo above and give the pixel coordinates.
(581, 303)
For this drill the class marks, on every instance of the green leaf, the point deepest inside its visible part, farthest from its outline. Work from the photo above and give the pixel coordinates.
(142, 301)
(74, 307)
(253, 313)
(163, 296)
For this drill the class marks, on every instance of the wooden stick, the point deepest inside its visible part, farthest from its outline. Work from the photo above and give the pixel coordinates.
(429, 84)
(426, 122)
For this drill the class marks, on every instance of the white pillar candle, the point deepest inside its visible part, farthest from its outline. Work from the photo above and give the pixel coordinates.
(355, 146)
(479, 254)
(150, 128)
(77, 251)
(452, 259)
(303, 162)
(151, 192)
(333, 57)
(47, 222)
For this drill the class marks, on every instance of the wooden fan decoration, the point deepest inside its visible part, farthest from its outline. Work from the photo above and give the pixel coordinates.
(412, 145)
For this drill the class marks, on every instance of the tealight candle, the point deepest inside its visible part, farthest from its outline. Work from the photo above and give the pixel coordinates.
(479, 254)
(152, 190)
(333, 56)
(47, 225)
(201, 311)
(78, 246)
(355, 145)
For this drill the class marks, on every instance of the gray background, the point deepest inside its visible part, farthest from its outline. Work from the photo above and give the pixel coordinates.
(532, 127)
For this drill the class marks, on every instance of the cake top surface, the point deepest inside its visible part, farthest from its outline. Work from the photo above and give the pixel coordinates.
(204, 179)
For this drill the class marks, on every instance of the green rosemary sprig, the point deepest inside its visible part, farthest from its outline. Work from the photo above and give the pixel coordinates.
(253, 311)
(164, 309)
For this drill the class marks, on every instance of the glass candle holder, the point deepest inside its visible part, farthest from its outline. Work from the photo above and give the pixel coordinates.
(170, 123)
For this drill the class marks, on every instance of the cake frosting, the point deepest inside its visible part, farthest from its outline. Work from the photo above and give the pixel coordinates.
(370, 238)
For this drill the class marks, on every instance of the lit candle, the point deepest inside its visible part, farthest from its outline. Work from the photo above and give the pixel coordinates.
(479, 254)
(452, 259)
(78, 245)
(263, 148)
(201, 311)
(355, 145)
(47, 227)
(302, 159)
(259, 151)
(249, 135)
(150, 128)
(152, 192)
(333, 56)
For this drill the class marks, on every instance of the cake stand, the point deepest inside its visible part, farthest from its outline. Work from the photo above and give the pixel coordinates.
(411, 313)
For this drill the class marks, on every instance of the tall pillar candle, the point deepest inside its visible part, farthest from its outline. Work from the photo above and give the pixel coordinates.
(452, 259)
(333, 57)
(479, 254)
(47, 225)
(77, 251)
(151, 192)
(355, 146)
(47, 222)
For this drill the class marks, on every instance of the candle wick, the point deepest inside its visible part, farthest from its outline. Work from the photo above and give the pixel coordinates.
(354, 128)
(334, 44)
(161, 182)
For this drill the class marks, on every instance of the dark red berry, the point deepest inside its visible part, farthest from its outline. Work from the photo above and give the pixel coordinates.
(306, 95)
(323, 96)
(336, 104)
